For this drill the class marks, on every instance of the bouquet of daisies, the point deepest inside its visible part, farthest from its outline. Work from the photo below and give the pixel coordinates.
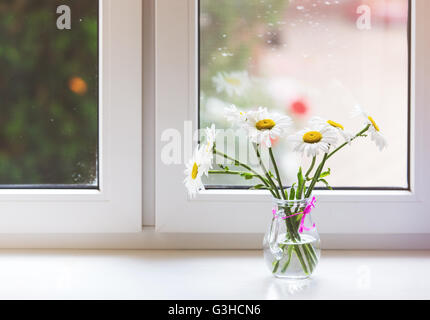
(320, 141)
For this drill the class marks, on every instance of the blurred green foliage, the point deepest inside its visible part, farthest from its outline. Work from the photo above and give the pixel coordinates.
(48, 121)
(232, 33)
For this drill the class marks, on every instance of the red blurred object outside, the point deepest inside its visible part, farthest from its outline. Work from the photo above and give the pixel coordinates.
(299, 107)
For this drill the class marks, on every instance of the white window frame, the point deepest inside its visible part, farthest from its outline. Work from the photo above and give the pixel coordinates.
(116, 206)
(236, 211)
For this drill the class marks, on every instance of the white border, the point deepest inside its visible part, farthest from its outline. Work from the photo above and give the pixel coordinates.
(226, 211)
(116, 207)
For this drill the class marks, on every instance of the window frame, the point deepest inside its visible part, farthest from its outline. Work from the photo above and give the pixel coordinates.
(116, 205)
(243, 211)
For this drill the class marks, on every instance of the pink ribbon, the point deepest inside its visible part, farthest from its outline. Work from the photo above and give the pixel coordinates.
(305, 212)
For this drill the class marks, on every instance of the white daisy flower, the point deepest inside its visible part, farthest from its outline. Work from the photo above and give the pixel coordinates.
(311, 141)
(375, 132)
(347, 136)
(263, 127)
(210, 134)
(358, 111)
(198, 166)
(235, 116)
(379, 139)
(234, 83)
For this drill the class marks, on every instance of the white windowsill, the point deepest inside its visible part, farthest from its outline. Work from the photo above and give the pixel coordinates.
(207, 275)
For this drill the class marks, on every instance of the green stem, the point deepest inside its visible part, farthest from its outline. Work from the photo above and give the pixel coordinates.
(290, 255)
(300, 257)
(238, 173)
(309, 259)
(348, 142)
(328, 156)
(276, 267)
(291, 226)
(263, 167)
(314, 160)
(278, 262)
(316, 177)
(312, 252)
(229, 172)
(241, 164)
(278, 176)
(236, 162)
(307, 249)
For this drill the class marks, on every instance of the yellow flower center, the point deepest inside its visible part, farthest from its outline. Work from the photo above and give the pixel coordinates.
(374, 123)
(195, 171)
(266, 124)
(312, 137)
(233, 81)
(335, 124)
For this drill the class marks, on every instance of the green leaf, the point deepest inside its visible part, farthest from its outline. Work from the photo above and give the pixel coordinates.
(286, 192)
(326, 173)
(292, 194)
(247, 175)
(326, 183)
(301, 184)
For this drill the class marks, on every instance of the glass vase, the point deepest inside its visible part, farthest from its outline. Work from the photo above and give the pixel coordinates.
(292, 243)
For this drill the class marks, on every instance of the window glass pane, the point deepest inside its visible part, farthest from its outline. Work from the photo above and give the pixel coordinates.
(48, 93)
(312, 57)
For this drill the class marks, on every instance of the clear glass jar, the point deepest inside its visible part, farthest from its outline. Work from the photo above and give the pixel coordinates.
(292, 243)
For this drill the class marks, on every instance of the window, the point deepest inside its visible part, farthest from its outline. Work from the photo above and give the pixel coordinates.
(49, 88)
(70, 135)
(353, 211)
(305, 58)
